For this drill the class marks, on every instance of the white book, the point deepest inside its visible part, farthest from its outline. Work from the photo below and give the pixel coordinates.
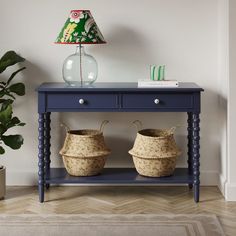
(158, 83)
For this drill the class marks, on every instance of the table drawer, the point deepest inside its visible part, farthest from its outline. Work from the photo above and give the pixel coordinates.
(81, 101)
(155, 101)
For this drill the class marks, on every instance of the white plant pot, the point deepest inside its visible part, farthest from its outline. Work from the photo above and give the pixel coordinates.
(2, 182)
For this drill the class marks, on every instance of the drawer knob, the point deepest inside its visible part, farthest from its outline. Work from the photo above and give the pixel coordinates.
(81, 101)
(156, 101)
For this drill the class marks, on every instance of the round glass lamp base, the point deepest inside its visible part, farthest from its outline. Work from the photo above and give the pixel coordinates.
(80, 69)
(79, 84)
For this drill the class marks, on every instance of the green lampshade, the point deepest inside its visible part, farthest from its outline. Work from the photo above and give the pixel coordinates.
(80, 28)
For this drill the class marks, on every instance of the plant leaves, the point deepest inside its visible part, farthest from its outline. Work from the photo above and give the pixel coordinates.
(14, 74)
(4, 92)
(3, 100)
(3, 129)
(5, 103)
(6, 114)
(14, 122)
(13, 141)
(2, 151)
(9, 58)
(21, 124)
(18, 88)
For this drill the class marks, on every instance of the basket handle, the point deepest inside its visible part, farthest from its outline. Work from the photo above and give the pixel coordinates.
(65, 126)
(172, 129)
(138, 124)
(103, 125)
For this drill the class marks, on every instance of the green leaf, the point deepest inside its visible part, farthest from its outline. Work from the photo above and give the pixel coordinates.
(13, 141)
(2, 151)
(14, 122)
(18, 88)
(3, 129)
(21, 124)
(3, 100)
(4, 92)
(14, 74)
(6, 114)
(9, 58)
(5, 103)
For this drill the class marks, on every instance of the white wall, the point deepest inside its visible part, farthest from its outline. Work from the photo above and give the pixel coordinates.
(183, 34)
(231, 162)
(223, 78)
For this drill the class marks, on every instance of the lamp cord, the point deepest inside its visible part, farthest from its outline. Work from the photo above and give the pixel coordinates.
(80, 62)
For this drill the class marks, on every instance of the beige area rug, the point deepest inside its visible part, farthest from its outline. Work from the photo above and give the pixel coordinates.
(110, 225)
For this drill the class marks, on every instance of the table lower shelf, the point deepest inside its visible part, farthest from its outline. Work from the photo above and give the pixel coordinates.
(118, 176)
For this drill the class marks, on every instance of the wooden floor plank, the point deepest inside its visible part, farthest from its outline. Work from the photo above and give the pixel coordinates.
(121, 200)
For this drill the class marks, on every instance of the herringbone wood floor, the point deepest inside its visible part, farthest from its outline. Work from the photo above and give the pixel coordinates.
(120, 200)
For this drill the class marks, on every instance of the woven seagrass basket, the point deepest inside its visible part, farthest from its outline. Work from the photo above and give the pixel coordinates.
(84, 152)
(154, 152)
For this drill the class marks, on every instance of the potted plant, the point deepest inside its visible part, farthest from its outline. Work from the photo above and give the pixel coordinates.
(8, 92)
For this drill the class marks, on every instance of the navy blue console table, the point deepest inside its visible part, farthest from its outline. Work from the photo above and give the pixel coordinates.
(118, 97)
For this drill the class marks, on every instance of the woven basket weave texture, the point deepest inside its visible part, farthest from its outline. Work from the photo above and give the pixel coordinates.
(84, 152)
(155, 152)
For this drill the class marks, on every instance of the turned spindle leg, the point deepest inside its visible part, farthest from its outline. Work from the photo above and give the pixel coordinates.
(47, 151)
(41, 157)
(196, 154)
(190, 168)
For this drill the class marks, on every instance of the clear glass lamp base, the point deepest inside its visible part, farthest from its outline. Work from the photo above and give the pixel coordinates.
(80, 69)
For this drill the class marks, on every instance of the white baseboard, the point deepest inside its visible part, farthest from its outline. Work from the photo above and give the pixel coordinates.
(221, 184)
(230, 192)
(23, 178)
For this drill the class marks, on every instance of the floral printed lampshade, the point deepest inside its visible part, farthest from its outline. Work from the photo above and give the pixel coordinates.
(80, 28)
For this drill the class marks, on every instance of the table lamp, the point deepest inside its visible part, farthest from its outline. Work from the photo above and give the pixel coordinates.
(80, 69)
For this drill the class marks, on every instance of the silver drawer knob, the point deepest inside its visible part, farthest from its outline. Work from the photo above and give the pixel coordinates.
(81, 101)
(156, 101)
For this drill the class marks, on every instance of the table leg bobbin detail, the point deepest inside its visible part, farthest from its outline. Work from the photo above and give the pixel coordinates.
(196, 155)
(41, 157)
(47, 151)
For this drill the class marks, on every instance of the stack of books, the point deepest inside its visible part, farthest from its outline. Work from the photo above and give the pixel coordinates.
(158, 84)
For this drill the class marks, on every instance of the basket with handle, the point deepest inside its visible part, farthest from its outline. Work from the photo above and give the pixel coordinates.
(84, 151)
(155, 151)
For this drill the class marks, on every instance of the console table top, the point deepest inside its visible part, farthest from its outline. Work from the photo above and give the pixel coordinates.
(115, 86)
